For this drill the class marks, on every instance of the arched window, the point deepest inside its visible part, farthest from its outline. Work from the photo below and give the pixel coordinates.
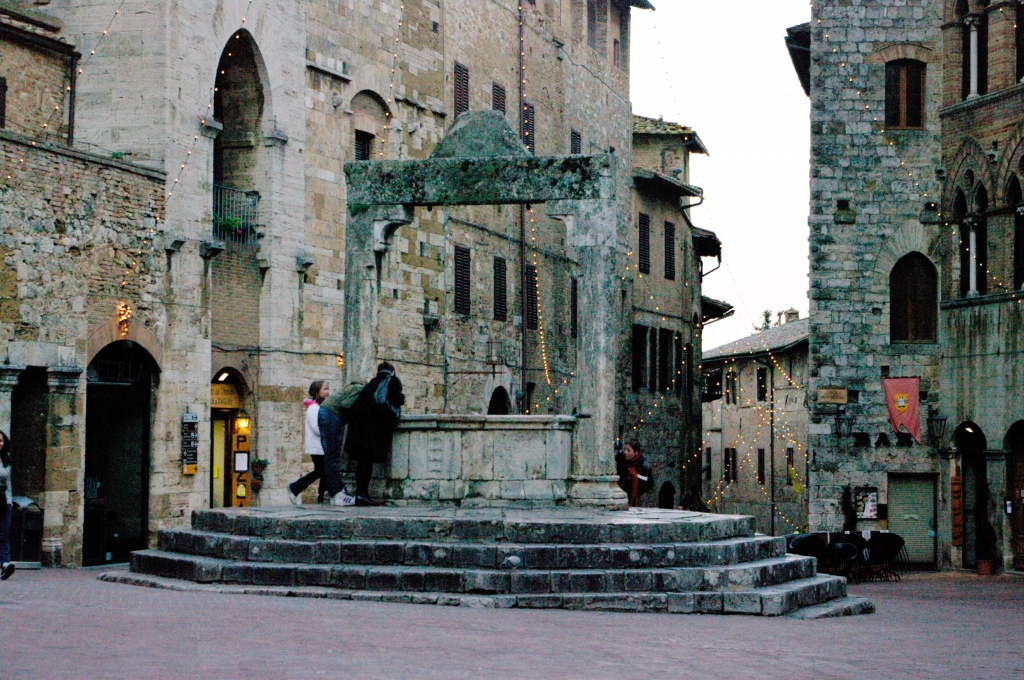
(500, 404)
(904, 94)
(1013, 202)
(370, 116)
(913, 300)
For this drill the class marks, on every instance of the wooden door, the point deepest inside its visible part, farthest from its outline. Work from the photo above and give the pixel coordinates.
(1015, 488)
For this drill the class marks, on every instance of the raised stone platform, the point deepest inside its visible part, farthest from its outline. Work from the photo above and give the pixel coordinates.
(572, 558)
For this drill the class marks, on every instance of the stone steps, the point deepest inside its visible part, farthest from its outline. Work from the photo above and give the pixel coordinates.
(466, 554)
(570, 558)
(740, 602)
(844, 606)
(566, 526)
(762, 573)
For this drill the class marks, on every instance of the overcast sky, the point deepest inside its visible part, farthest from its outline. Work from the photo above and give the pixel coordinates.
(723, 69)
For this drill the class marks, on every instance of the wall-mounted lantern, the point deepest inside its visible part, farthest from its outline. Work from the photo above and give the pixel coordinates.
(844, 423)
(936, 426)
(242, 420)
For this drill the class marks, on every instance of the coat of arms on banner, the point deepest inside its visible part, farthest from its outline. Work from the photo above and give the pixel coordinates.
(901, 402)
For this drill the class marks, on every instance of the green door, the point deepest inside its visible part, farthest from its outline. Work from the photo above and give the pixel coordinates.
(912, 515)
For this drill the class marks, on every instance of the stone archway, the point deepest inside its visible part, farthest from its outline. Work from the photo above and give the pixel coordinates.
(118, 418)
(979, 537)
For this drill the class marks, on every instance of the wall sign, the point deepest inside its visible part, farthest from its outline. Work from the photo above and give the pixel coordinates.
(833, 395)
(189, 443)
(224, 396)
(866, 500)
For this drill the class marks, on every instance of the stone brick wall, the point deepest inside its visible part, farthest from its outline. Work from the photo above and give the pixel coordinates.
(38, 79)
(78, 237)
(887, 176)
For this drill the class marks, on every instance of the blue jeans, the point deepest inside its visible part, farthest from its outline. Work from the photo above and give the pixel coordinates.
(5, 533)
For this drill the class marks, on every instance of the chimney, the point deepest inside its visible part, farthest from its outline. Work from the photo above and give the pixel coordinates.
(792, 315)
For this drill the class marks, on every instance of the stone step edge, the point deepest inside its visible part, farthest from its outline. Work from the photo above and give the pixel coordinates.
(279, 550)
(702, 579)
(708, 527)
(850, 605)
(654, 603)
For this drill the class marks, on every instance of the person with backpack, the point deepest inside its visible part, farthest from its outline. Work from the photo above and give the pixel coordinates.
(6, 507)
(375, 416)
(335, 413)
(318, 391)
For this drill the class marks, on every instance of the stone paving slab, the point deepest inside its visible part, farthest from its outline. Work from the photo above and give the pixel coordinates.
(567, 525)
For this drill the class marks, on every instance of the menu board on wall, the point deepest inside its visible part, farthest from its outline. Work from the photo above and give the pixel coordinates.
(189, 443)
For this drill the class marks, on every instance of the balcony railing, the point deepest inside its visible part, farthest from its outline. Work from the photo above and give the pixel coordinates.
(235, 214)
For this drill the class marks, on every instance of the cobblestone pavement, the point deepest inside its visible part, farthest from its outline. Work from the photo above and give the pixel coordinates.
(67, 624)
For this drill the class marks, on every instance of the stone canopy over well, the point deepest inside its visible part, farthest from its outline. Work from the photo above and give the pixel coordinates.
(482, 162)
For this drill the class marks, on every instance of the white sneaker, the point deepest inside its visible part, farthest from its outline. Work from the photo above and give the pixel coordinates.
(295, 499)
(342, 499)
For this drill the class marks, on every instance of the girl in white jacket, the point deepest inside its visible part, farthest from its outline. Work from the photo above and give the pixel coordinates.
(318, 391)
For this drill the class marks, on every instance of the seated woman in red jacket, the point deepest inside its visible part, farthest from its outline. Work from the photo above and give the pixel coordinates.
(635, 477)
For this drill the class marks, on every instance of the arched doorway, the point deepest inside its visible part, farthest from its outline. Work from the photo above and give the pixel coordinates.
(500, 404)
(118, 412)
(230, 444)
(979, 538)
(1014, 447)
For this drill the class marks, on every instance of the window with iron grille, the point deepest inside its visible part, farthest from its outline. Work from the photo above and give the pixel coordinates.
(712, 385)
(670, 251)
(639, 351)
(530, 295)
(760, 466)
(529, 127)
(645, 244)
(500, 289)
(3, 102)
(462, 280)
(461, 89)
(497, 97)
(575, 143)
(904, 94)
(574, 307)
(364, 145)
(762, 383)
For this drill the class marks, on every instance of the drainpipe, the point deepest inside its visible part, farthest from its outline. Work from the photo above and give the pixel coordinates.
(972, 25)
(520, 47)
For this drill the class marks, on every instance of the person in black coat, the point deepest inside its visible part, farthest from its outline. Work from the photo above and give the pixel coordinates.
(375, 416)
(635, 476)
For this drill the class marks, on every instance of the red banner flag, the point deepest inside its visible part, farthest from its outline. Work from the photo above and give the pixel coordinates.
(902, 396)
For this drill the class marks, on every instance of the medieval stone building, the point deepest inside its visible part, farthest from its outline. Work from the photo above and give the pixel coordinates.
(203, 286)
(755, 426)
(916, 130)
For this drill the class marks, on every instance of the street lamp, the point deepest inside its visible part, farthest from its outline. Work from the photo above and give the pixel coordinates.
(936, 425)
(844, 423)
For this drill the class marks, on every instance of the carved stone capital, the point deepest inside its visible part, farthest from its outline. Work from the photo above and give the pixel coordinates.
(63, 379)
(9, 377)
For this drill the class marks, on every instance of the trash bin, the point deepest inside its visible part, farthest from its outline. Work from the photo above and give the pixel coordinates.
(26, 530)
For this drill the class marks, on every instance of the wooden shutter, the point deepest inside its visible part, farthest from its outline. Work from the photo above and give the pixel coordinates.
(762, 383)
(574, 307)
(461, 89)
(3, 102)
(645, 244)
(760, 466)
(529, 127)
(530, 295)
(670, 251)
(575, 143)
(904, 94)
(462, 305)
(682, 367)
(665, 337)
(364, 145)
(497, 97)
(639, 351)
(913, 301)
(500, 289)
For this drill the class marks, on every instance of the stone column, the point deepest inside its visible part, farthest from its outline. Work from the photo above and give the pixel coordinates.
(8, 380)
(972, 25)
(65, 468)
(973, 275)
(367, 240)
(594, 235)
